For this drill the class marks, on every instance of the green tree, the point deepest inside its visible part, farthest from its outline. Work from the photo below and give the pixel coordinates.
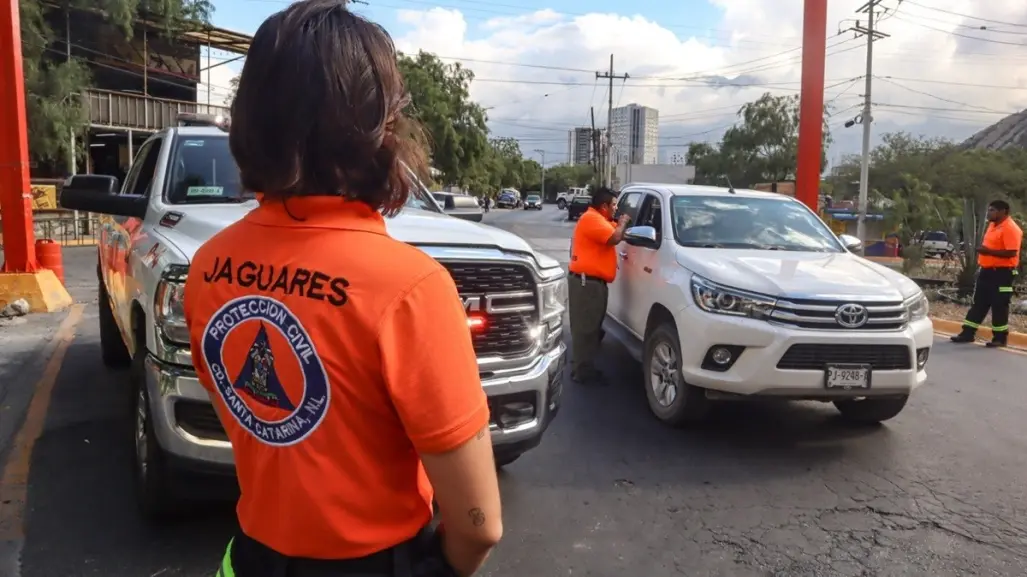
(54, 83)
(455, 125)
(761, 147)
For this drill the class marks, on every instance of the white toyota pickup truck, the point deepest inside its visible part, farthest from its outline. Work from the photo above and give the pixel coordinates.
(182, 188)
(729, 294)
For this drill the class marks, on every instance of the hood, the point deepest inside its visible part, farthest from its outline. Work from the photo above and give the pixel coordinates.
(417, 227)
(812, 275)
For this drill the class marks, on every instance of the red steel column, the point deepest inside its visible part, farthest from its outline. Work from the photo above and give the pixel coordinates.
(15, 193)
(811, 102)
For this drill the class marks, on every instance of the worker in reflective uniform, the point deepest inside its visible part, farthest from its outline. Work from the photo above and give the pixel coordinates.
(308, 325)
(593, 266)
(998, 257)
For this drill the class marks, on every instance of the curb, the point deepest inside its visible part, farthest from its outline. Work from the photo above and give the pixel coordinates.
(1016, 340)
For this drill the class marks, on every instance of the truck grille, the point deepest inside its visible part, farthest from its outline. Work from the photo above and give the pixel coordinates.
(820, 314)
(506, 334)
(813, 357)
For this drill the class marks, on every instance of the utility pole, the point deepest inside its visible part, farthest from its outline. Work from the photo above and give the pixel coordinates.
(866, 119)
(608, 173)
(594, 137)
(543, 153)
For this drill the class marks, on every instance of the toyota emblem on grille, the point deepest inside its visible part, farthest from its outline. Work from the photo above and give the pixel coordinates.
(852, 315)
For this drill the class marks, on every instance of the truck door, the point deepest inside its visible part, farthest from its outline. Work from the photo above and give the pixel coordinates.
(125, 231)
(617, 306)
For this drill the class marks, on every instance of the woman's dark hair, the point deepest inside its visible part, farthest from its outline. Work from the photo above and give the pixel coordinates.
(319, 110)
(602, 195)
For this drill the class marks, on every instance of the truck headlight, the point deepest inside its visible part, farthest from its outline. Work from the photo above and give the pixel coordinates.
(714, 298)
(917, 307)
(169, 310)
(553, 299)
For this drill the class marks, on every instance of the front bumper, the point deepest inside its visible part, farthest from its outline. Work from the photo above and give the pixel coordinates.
(187, 428)
(787, 362)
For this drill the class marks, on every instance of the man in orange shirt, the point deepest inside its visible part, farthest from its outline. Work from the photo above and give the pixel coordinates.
(593, 266)
(998, 257)
(343, 424)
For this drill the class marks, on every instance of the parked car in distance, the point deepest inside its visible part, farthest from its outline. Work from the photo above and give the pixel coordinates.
(934, 243)
(507, 200)
(577, 207)
(459, 205)
(564, 198)
(533, 202)
(728, 295)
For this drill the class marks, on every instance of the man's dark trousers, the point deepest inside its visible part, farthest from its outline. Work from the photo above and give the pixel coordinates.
(993, 291)
(587, 301)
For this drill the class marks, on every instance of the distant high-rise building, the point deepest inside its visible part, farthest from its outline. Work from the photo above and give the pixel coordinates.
(634, 134)
(579, 145)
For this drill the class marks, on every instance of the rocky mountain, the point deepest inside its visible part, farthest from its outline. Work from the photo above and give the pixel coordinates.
(1008, 132)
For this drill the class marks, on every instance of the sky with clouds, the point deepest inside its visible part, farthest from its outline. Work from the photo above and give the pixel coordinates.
(948, 68)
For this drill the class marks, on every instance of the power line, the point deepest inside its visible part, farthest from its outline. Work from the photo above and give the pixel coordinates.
(917, 4)
(936, 97)
(967, 36)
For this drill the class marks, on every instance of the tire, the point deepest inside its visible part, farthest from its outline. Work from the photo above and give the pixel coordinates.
(153, 483)
(113, 351)
(504, 460)
(871, 411)
(561, 204)
(684, 404)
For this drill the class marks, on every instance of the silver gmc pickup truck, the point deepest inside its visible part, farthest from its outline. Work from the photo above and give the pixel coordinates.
(181, 189)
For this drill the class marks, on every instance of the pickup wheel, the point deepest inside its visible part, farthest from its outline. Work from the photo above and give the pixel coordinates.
(112, 348)
(152, 476)
(561, 204)
(870, 411)
(671, 399)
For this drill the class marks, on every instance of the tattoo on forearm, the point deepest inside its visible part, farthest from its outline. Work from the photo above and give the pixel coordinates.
(481, 433)
(477, 517)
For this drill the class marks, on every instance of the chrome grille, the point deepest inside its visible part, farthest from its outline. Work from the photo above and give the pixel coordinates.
(820, 314)
(813, 357)
(506, 333)
(200, 420)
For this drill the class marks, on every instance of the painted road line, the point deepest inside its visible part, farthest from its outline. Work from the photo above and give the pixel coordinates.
(14, 480)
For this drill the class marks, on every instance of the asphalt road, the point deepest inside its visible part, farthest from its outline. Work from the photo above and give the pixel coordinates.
(763, 490)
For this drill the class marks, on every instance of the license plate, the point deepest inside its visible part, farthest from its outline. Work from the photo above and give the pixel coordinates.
(847, 377)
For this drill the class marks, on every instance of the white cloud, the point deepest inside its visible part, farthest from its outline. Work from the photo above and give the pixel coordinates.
(942, 84)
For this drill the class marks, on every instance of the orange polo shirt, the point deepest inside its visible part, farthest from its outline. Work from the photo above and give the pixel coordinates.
(310, 334)
(1005, 235)
(590, 253)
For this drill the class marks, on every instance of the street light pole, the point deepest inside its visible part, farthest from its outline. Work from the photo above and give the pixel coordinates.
(543, 153)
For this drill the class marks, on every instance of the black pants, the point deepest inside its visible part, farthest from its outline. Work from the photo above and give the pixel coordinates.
(993, 291)
(418, 557)
(587, 303)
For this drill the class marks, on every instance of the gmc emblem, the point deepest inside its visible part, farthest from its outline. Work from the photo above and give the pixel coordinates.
(493, 303)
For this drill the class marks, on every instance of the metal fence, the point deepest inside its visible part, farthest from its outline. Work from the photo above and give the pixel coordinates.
(62, 226)
(120, 110)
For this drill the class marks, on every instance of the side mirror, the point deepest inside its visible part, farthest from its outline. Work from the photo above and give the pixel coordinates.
(851, 243)
(641, 236)
(99, 193)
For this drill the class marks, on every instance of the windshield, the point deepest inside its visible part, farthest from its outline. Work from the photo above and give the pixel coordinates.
(581, 200)
(203, 171)
(749, 223)
(936, 236)
(534, 197)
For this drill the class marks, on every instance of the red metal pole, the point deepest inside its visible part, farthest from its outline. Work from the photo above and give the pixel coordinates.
(15, 192)
(811, 102)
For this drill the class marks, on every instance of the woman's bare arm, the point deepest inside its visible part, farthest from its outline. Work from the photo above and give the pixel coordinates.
(467, 491)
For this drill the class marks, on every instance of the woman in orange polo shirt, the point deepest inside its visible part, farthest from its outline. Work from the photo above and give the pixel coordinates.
(308, 325)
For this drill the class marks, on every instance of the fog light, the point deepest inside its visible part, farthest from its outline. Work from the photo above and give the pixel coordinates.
(516, 413)
(921, 358)
(721, 356)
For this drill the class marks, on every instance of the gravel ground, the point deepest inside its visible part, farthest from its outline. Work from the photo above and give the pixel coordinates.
(956, 312)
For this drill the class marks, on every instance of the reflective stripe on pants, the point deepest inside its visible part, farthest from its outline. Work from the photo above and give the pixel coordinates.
(226, 562)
